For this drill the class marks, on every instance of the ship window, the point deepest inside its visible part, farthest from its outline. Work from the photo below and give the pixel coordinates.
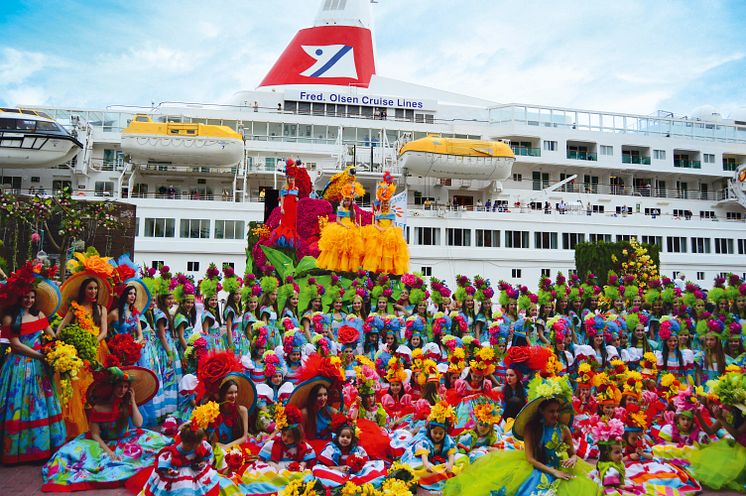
(625, 237)
(700, 276)
(676, 244)
(458, 237)
(25, 125)
(516, 239)
(596, 237)
(229, 229)
(659, 154)
(191, 131)
(159, 227)
(427, 236)
(570, 240)
(724, 246)
(706, 214)
(516, 273)
(708, 158)
(742, 246)
(550, 146)
(157, 264)
(195, 228)
(546, 272)
(141, 118)
(607, 150)
(545, 240)
(192, 266)
(653, 240)
(488, 238)
(733, 215)
(700, 245)
(104, 188)
(426, 271)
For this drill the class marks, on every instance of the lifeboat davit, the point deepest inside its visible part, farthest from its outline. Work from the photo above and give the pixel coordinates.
(181, 143)
(32, 139)
(457, 158)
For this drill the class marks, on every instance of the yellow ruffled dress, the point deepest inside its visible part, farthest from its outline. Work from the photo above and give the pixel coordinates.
(386, 251)
(341, 244)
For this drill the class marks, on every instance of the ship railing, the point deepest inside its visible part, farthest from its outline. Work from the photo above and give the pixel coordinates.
(641, 191)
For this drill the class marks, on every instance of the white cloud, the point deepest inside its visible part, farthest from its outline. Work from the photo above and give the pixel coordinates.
(16, 66)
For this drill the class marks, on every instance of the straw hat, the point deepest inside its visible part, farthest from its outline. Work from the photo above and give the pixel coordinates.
(532, 408)
(71, 287)
(142, 301)
(48, 296)
(246, 390)
(299, 396)
(143, 382)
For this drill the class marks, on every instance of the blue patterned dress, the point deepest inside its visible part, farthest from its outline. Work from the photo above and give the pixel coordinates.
(238, 342)
(82, 464)
(214, 338)
(150, 359)
(169, 375)
(31, 425)
(180, 319)
(275, 336)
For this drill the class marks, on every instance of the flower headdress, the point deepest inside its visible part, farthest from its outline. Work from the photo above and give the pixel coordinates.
(670, 386)
(607, 393)
(669, 327)
(366, 378)
(23, 280)
(484, 290)
(487, 412)
(649, 366)
(635, 420)
(730, 388)
(259, 334)
(414, 326)
(507, 294)
(269, 284)
(586, 376)
(381, 288)
(464, 287)
(632, 385)
(484, 362)
(438, 290)
(385, 189)
(550, 387)
(271, 363)
(456, 360)
(429, 372)
(442, 415)
(686, 401)
(608, 432)
(204, 416)
(251, 289)
(441, 324)
(91, 262)
(416, 287)
(231, 283)
(395, 371)
(293, 339)
(348, 336)
(210, 285)
(287, 417)
(183, 287)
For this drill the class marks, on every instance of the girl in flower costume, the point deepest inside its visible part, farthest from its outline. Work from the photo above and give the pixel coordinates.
(269, 311)
(434, 455)
(288, 296)
(711, 361)
(31, 423)
(672, 359)
(344, 460)
(610, 470)
(336, 315)
(397, 401)
(547, 466)
(170, 372)
(111, 452)
(685, 430)
(233, 314)
(639, 343)
(285, 235)
(722, 464)
(474, 387)
(186, 313)
(186, 468)
(210, 318)
(250, 292)
(259, 347)
(483, 437)
(341, 244)
(386, 251)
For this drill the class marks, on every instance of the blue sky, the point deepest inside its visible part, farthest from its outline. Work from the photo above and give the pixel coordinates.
(633, 56)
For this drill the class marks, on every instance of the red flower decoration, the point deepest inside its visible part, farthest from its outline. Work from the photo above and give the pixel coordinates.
(214, 368)
(348, 334)
(125, 349)
(356, 463)
(516, 354)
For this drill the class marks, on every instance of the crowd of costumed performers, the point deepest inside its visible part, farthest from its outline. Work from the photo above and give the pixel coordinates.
(363, 383)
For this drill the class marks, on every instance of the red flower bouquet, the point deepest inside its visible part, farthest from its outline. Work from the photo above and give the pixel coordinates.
(356, 463)
(124, 349)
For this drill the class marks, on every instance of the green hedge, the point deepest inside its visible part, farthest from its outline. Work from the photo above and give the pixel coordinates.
(596, 257)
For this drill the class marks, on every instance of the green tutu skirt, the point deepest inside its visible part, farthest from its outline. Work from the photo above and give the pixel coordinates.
(507, 473)
(720, 465)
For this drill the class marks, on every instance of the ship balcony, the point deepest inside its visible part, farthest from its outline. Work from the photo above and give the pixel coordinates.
(732, 161)
(635, 155)
(579, 150)
(687, 159)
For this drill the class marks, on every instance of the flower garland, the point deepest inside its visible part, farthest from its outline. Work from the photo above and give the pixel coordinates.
(84, 319)
(85, 343)
(63, 358)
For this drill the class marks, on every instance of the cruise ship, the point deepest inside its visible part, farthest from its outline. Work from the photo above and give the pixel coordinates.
(198, 173)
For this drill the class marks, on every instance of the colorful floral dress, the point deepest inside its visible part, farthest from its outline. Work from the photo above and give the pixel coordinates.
(362, 469)
(260, 478)
(341, 244)
(275, 336)
(238, 342)
(193, 474)
(150, 359)
(179, 320)
(169, 375)
(385, 251)
(214, 338)
(128, 325)
(286, 234)
(82, 464)
(31, 424)
(438, 456)
(508, 472)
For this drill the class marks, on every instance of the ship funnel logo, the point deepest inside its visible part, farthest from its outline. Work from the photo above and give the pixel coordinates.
(326, 55)
(332, 61)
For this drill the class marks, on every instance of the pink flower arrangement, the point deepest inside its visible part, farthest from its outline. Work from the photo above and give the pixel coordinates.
(611, 431)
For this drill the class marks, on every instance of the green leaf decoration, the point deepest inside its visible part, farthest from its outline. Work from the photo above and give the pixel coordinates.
(306, 264)
(282, 263)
